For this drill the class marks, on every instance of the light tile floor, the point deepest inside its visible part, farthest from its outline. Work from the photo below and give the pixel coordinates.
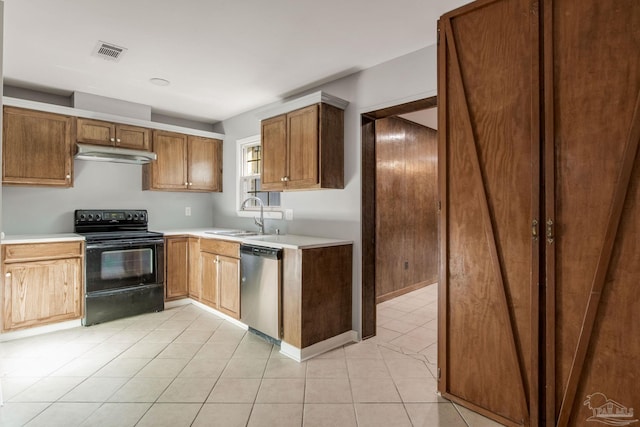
(187, 367)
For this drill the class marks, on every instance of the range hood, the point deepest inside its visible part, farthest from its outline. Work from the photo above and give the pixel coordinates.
(103, 153)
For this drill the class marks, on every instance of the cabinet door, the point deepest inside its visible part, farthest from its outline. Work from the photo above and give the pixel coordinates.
(177, 267)
(195, 286)
(593, 206)
(229, 281)
(488, 107)
(37, 293)
(209, 278)
(274, 153)
(169, 171)
(134, 137)
(37, 148)
(302, 145)
(205, 164)
(95, 132)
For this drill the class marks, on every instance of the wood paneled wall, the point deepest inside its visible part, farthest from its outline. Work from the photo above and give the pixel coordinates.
(406, 207)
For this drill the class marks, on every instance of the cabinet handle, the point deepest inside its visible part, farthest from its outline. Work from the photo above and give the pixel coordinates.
(68, 177)
(112, 139)
(7, 275)
(286, 178)
(282, 179)
(117, 139)
(550, 235)
(186, 183)
(191, 183)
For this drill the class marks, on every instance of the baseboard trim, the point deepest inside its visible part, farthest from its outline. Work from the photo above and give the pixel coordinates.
(300, 355)
(39, 330)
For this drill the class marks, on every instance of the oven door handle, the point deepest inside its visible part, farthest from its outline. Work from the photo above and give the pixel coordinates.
(124, 243)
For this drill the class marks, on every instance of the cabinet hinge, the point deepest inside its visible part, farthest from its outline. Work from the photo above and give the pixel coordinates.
(438, 36)
(439, 373)
(439, 205)
(534, 230)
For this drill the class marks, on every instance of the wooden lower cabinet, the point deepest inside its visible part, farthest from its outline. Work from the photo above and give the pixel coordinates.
(316, 294)
(220, 275)
(39, 286)
(181, 267)
(209, 279)
(229, 286)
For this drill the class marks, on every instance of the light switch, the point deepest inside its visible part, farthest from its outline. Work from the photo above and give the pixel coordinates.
(288, 214)
(187, 211)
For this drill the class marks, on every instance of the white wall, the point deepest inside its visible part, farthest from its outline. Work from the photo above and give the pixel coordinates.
(335, 213)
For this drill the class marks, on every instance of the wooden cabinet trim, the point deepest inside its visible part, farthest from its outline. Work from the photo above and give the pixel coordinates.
(21, 252)
(220, 247)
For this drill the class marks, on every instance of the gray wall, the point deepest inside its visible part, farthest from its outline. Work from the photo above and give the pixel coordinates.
(1, 126)
(335, 213)
(36, 210)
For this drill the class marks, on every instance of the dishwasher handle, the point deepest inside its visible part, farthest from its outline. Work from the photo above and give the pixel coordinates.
(261, 251)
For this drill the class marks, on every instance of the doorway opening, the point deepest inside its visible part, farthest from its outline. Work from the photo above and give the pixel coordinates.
(399, 218)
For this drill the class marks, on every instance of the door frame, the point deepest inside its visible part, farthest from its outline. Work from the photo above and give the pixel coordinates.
(368, 203)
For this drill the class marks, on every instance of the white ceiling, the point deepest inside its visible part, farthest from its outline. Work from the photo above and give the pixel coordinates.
(223, 57)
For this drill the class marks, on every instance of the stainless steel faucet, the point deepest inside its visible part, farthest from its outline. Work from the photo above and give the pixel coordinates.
(259, 222)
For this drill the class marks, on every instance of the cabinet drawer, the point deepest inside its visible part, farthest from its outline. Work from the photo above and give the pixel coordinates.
(220, 247)
(40, 251)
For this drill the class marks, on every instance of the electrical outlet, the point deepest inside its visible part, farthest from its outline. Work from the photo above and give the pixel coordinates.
(288, 214)
(187, 211)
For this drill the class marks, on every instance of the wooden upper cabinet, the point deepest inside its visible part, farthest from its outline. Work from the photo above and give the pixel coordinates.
(184, 163)
(99, 132)
(37, 148)
(204, 163)
(304, 149)
(274, 152)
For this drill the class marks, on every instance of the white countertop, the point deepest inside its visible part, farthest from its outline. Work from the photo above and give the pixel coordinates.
(41, 238)
(290, 241)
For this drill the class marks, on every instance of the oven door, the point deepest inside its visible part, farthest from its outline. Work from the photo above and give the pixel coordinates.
(118, 264)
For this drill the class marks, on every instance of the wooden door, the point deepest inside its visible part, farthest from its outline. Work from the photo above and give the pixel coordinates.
(274, 153)
(133, 137)
(303, 146)
(177, 268)
(592, 76)
(95, 132)
(42, 292)
(488, 170)
(209, 278)
(169, 171)
(406, 207)
(205, 164)
(229, 281)
(37, 148)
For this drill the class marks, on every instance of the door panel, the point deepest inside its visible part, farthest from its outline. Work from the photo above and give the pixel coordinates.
(274, 152)
(489, 162)
(594, 126)
(204, 160)
(170, 169)
(302, 136)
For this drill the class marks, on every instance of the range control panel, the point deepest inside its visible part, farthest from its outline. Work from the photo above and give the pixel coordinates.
(92, 216)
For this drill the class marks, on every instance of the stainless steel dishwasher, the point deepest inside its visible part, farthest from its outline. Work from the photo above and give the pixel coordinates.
(260, 273)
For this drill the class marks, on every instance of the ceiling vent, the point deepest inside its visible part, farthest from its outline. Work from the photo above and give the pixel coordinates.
(108, 51)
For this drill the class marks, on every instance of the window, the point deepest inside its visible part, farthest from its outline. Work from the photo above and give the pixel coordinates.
(250, 155)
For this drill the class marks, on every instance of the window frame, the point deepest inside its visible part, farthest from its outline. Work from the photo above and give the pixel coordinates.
(271, 212)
